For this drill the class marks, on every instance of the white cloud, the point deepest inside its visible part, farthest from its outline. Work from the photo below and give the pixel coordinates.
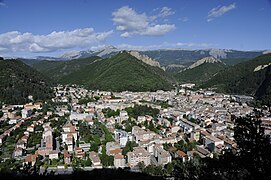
(162, 13)
(15, 41)
(166, 11)
(184, 19)
(191, 44)
(137, 47)
(164, 45)
(130, 23)
(2, 4)
(219, 11)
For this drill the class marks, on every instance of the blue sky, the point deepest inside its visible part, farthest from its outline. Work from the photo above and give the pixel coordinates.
(37, 27)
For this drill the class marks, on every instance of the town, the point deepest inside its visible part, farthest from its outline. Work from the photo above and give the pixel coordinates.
(83, 129)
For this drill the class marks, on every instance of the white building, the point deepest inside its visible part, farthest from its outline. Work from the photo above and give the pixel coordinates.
(139, 154)
(122, 137)
(119, 161)
(162, 155)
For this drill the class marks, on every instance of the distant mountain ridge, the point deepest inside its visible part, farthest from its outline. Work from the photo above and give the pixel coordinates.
(182, 56)
(166, 57)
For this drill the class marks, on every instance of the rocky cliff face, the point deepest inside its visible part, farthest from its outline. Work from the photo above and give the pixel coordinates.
(261, 67)
(204, 60)
(144, 58)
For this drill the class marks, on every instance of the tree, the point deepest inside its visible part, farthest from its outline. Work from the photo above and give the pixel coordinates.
(252, 159)
(169, 168)
(141, 166)
(88, 162)
(129, 147)
(254, 146)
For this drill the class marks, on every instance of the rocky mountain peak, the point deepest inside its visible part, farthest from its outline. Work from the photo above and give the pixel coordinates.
(144, 58)
(205, 60)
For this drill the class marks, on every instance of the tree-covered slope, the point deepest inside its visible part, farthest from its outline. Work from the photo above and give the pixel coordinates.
(200, 73)
(120, 73)
(58, 69)
(18, 81)
(243, 79)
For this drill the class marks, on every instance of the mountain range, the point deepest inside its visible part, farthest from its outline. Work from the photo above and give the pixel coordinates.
(227, 71)
(200, 71)
(166, 57)
(123, 71)
(251, 78)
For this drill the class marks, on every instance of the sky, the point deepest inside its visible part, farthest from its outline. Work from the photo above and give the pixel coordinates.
(30, 28)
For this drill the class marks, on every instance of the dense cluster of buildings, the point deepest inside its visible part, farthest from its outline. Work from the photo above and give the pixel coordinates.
(201, 118)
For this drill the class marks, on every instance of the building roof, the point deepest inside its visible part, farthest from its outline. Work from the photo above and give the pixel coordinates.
(118, 156)
(30, 158)
(115, 151)
(181, 153)
(66, 154)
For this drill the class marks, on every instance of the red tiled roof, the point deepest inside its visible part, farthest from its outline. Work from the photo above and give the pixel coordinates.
(181, 153)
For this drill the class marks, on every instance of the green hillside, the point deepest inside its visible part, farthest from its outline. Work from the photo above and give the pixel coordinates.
(120, 73)
(58, 69)
(18, 81)
(200, 73)
(241, 78)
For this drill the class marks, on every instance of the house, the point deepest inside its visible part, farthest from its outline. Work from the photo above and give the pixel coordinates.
(188, 126)
(175, 129)
(79, 153)
(141, 119)
(119, 161)
(210, 142)
(89, 120)
(142, 134)
(115, 151)
(162, 155)
(85, 146)
(219, 126)
(67, 157)
(69, 142)
(182, 155)
(195, 134)
(193, 153)
(26, 133)
(53, 154)
(110, 146)
(69, 131)
(21, 144)
(122, 137)
(47, 140)
(95, 159)
(30, 159)
(26, 113)
(123, 116)
(24, 138)
(31, 128)
(78, 116)
(139, 154)
(204, 152)
(13, 121)
(18, 152)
